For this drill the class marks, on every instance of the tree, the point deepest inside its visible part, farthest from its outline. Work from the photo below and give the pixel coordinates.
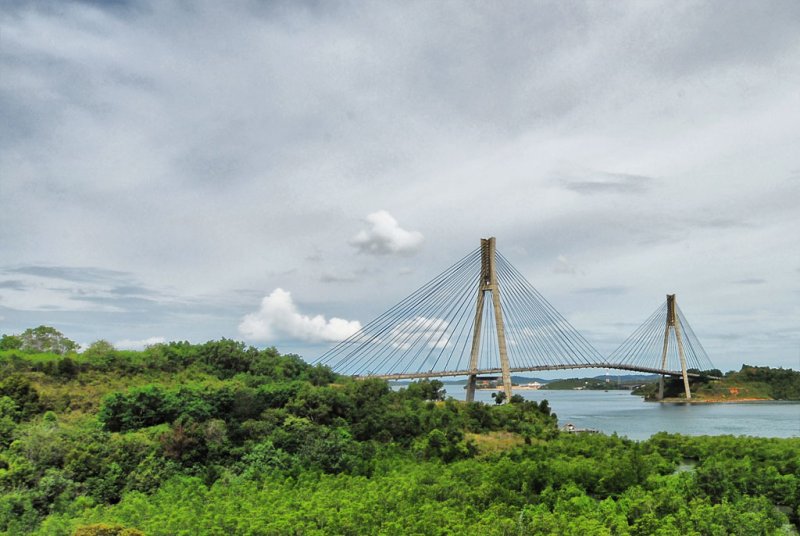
(426, 390)
(100, 346)
(46, 339)
(19, 388)
(227, 357)
(9, 415)
(499, 397)
(10, 342)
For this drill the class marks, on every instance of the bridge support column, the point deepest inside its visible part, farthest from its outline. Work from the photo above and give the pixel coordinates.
(472, 383)
(674, 323)
(488, 283)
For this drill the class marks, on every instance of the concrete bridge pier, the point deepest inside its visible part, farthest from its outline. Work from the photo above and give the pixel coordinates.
(488, 283)
(673, 323)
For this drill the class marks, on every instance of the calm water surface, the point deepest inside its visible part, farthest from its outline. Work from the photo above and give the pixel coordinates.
(628, 415)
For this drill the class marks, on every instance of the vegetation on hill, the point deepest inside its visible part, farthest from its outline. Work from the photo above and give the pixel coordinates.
(222, 438)
(749, 383)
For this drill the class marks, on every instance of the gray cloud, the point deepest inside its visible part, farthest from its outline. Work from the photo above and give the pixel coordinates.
(606, 291)
(315, 257)
(123, 303)
(720, 223)
(648, 145)
(611, 183)
(336, 278)
(69, 273)
(751, 281)
(133, 290)
(564, 266)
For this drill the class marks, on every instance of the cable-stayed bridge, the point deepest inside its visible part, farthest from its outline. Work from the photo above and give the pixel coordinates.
(482, 317)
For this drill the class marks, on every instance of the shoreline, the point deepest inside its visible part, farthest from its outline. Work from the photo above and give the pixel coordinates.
(715, 400)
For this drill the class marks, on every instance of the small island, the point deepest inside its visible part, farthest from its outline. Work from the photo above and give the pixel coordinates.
(750, 384)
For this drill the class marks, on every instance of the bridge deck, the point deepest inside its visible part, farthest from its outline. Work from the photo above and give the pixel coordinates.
(441, 374)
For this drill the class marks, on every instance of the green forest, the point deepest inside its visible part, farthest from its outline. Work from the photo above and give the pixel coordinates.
(222, 438)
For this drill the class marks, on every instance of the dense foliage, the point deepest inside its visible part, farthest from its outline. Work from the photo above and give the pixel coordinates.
(783, 384)
(221, 438)
(748, 383)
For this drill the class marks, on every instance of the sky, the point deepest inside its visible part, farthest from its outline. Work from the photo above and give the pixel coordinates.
(283, 172)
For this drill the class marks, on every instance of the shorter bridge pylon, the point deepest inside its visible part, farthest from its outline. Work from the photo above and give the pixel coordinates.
(668, 335)
(673, 324)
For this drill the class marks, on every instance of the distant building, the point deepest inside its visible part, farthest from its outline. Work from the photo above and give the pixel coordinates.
(488, 382)
(572, 429)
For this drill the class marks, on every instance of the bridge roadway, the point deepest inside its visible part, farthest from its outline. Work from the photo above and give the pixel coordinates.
(440, 374)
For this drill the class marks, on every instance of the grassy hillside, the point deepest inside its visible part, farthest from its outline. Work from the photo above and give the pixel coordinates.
(222, 438)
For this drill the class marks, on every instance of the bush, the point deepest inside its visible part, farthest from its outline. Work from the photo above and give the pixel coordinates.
(102, 529)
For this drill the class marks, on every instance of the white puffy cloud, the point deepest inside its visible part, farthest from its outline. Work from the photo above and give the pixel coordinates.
(127, 344)
(385, 236)
(278, 317)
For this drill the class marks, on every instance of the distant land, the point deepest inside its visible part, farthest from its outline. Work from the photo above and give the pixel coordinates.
(750, 384)
(517, 380)
(595, 383)
(624, 379)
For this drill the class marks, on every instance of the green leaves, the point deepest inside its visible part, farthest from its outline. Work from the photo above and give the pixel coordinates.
(20, 390)
(46, 339)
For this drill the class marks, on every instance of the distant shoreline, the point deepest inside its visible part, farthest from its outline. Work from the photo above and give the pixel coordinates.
(716, 400)
(513, 387)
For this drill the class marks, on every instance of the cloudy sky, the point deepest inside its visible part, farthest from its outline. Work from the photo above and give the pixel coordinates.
(282, 172)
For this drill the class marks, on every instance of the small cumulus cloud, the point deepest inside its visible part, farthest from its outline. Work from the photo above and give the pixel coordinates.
(128, 344)
(278, 316)
(384, 236)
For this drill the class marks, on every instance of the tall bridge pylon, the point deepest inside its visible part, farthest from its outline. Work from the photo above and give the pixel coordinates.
(488, 283)
(447, 328)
